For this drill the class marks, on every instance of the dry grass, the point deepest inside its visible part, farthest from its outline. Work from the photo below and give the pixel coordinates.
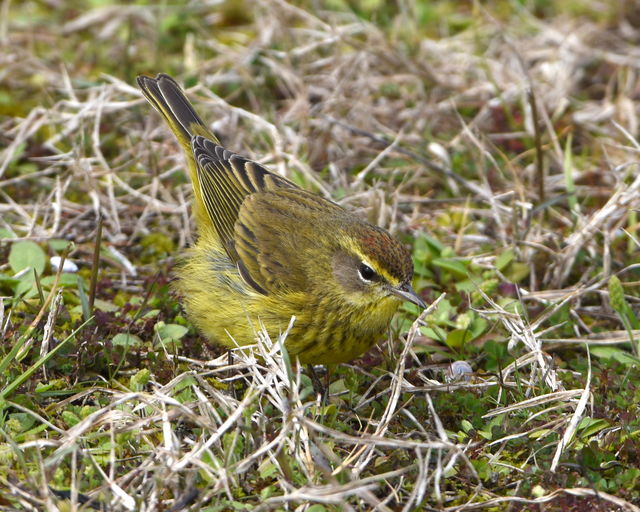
(492, 130)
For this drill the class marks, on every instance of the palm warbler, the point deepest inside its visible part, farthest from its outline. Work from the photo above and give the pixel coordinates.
(268, 250)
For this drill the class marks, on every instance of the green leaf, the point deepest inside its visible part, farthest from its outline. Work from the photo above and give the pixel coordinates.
(170, 334)
(8, 280)
(536, 434)
(434, 332)
(617, 354)
(616, 294)
(170, 331)
(59, 244)
(337, 387)
(138, 381)
(458, 338)
(124, 339)
(70, 418)
(517, 271)
(267, 469)
(478, 327)
(26, 420)
(454, 266)
(466, 426)
(106, 306)
(504, 259)
(49, 385)
(427, 248)
(65, 281)
(466, 286)
(27, 254)
(317, 508)
(590, 426)
(26, 287)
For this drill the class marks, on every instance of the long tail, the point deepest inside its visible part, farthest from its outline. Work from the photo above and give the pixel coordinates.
(167, 97)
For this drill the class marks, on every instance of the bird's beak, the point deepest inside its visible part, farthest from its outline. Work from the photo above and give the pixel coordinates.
(406, 292)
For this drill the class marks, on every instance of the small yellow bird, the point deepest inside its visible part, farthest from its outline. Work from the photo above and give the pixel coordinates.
(268, 250)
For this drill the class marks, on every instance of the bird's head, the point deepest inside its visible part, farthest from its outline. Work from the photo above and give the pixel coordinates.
(372, 267)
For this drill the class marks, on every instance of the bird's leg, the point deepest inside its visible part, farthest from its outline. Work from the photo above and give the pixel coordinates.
(318, 387)
(328, 370)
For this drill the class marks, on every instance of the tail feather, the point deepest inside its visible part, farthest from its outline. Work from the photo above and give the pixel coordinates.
(167, 98)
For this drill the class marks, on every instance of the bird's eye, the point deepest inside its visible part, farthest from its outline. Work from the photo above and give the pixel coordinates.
(366, 272)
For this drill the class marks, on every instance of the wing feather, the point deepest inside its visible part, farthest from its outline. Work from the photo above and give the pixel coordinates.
(263, 220)
(273, 230)
(226, 179)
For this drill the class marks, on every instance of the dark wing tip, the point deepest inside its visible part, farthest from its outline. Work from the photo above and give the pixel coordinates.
(142, 79)
(146, 83)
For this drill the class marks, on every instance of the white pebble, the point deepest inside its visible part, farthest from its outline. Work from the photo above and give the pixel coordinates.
(68, 265)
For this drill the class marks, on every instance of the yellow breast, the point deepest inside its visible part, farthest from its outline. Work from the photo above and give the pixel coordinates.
(230, 312)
